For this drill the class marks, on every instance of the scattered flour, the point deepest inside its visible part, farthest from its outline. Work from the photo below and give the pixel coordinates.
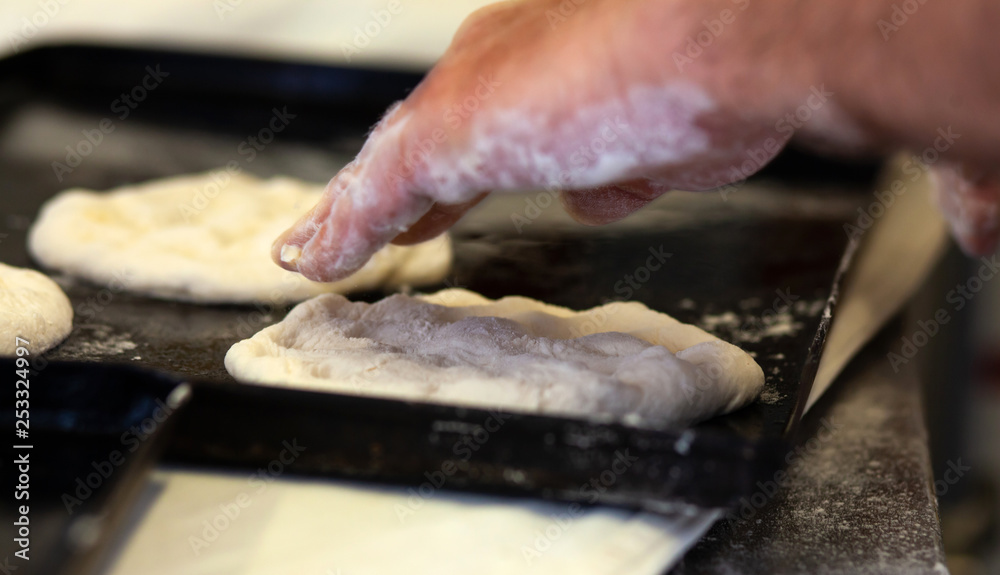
(101, 341)
(770, 395)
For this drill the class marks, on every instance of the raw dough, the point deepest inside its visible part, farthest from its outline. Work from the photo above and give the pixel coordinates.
(620, 360)
(190, 238)
(34, 308)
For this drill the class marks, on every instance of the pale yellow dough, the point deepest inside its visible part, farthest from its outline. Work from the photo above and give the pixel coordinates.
(189, 238)
(33, 308)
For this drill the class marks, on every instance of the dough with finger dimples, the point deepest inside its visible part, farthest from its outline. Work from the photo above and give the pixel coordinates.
(206, 238)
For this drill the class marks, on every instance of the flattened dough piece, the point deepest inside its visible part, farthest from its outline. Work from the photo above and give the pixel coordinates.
(34, 308)
(192, 238)
(621, 360)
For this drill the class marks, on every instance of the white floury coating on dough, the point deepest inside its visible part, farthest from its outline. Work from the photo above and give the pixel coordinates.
(187, 238)
(34, 308)
(620, 360)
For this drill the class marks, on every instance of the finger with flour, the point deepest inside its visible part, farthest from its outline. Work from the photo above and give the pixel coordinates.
(393, 185)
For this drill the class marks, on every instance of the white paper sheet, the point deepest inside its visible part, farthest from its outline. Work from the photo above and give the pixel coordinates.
(340, 528)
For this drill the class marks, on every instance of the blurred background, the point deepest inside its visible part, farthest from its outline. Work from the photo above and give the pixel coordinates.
(963, 396)
(412, 37)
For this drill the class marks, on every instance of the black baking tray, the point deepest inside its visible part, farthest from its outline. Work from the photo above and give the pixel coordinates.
(93, 432)
(728, 268)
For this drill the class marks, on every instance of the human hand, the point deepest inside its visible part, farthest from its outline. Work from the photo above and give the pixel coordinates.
(611, 103)
(585, 104)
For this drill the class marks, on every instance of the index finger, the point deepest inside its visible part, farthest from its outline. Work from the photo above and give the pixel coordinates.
(365, 206)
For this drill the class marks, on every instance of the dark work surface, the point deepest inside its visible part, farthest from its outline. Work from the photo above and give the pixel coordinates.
(91, 438)
(858, 497)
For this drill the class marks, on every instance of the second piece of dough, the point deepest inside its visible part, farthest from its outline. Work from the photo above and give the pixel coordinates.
(206, 239)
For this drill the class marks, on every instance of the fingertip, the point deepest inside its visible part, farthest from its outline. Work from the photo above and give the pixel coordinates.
(287, 249)
(284, 253)
(337, 239)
